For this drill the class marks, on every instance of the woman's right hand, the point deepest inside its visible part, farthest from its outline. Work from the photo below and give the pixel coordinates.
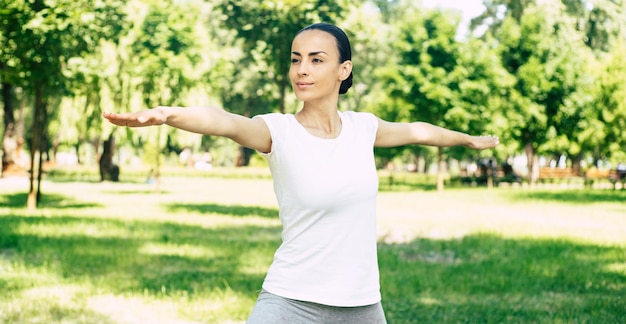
(143, 118)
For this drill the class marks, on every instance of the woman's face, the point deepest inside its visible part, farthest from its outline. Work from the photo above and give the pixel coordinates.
(315, 71)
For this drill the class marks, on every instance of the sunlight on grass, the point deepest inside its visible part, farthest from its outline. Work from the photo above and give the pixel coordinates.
(183, 250)
(16, 276)
(618, 268)
(428, 301)
(457, 213)
(251, 262)
(73, 228)
(198, 252)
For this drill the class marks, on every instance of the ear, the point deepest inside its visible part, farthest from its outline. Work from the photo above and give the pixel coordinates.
(345, 69)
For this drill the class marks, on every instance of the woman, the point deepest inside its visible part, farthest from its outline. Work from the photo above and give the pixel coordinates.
(325, 181)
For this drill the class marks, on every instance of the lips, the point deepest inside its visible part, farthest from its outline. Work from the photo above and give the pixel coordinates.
(303, 85)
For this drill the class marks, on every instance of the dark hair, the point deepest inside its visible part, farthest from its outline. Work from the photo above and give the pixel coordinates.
(343, 47)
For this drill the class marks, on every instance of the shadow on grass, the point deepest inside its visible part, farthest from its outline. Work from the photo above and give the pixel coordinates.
(139, 256)
(229, 210)
(489, 279)
(476, 279)
(19, 200)
(581, 196)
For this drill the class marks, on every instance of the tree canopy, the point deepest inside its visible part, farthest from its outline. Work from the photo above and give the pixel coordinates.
(546, 76)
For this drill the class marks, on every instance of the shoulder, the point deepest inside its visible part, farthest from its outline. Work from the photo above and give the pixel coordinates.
(364, 119)
(275, 119)
(358, 114)
(364, 124)
(277, 123)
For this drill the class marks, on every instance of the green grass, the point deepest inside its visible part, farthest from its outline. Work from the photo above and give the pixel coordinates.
(198, 251)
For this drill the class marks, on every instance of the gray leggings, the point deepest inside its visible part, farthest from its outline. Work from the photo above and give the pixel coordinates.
(272, 309)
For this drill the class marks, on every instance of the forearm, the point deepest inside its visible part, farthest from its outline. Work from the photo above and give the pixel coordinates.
(428, 134)
(249, 132)
(201, 120)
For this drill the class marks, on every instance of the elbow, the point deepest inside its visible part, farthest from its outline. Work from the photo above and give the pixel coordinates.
(419, 133)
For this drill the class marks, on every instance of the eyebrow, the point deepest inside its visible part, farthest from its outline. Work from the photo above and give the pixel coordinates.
(310, 54)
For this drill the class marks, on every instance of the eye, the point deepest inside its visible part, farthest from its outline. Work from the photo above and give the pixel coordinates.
(294, 60)
(317, 60)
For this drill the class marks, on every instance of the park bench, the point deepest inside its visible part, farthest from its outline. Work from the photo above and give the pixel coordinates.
(617, 177)
(549, 173)
(595, 175)
(613, 176)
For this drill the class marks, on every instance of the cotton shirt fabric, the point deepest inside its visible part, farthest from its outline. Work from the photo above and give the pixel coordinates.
(326, 191)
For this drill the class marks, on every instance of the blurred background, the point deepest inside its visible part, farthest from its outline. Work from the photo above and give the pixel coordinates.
(546, 76)
(99, 246)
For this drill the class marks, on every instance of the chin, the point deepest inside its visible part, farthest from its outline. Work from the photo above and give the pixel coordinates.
(302, 96)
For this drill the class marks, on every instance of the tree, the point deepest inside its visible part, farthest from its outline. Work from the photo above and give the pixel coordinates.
(604, 129)
(89, 89)
(256, 80)
(165, 56)
(539, 47)
(57, 33)
(601, 22)
(436, 80)
(546, 46)
(268, 27)
(12, 18)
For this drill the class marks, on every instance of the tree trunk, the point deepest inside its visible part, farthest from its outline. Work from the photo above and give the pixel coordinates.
(43, 147)
(533, 170)
(491, 173)
(39, 174)
(576, 164)
(9, 142)
(77, 147)
(108, 170)
(426, 165)
(245, 154)
(35, 147)
(7, 97)
(157, 174)
(31, 202)
(440, 169)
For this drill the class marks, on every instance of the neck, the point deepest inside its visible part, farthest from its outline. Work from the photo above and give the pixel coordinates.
(322, 122)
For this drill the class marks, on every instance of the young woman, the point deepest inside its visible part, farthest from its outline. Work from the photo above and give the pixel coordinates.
(325, 181)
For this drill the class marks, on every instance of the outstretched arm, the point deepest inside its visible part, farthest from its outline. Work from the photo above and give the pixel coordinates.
(396, 134)
(252, 133)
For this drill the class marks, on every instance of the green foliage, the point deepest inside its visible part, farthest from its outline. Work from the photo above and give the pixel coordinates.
(267, 28)
(440, 80)
(548, 48)
(165, 54)
(56, 32)
(544, 76)
(608, 120)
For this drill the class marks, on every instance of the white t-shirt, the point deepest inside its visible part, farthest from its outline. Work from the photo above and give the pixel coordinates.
(326, 191)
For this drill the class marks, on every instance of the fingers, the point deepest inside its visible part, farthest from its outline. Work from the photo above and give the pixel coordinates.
(486, 142)
(120, 119)
(495, 139)
(137, 119)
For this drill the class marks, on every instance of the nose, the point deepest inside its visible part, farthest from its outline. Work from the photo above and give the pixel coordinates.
(303, 68)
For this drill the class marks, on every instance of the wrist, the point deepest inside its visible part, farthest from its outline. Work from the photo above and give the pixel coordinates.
(470, 141)
(164, 113)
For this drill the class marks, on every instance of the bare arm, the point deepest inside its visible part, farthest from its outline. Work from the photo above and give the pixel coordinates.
(252, 133)
(396, 134)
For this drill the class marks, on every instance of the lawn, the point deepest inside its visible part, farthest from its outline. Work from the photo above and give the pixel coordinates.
(197, 252)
